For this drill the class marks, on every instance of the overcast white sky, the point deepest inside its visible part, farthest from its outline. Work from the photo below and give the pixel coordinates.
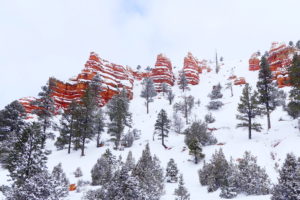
(39, 39)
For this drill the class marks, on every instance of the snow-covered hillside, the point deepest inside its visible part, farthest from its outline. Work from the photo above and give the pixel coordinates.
(281, 139)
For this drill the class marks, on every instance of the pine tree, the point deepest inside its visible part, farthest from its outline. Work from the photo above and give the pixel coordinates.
(68, 126)
(162, 126)
(170, 96)
(119, 115)
(198, 130)
(183, 82)
(28, 157)
(231, 189)
(288, 186)
(60, 181)
(45, 108)
(78, 172)
(130, 161)
(216, 92)
(185, 106)
(215, 173)
(99, 125)
(124, 186)
(195, 149)
(12, 122)
(267, 89)
(249, 109)
(148, 91)
(181, 192)
(104, 169)
(149, 174)
(253, 180)
(171, 171)
(294, 74)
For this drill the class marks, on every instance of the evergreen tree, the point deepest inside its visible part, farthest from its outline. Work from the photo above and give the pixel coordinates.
(253, 180)
(170, 96)
(60, 181)
(198, 130)
(185, 107)
(124, 186)
(266, 89)
(171, 171)
(215, 173)
(78, 172)
(294, 74)
(181, 192)
(103, 170)
(149, 174)
(162, 126)
(37, 187)
(130, 161)
(195, 149)
(288, 186)
(118, 112)
(249, 109)
(231, 189)
(12, 122)
(209, 118)
(28, 157)
(148, 91)
(45, 108)
(183, 82)
(216, 92)
(68, 129)
(99, 125)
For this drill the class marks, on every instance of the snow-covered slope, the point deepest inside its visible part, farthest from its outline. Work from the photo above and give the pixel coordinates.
(282, 138)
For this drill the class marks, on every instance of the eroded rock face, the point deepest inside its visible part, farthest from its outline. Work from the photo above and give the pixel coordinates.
(114, 77)
(191, 69)
(162, 72)
(279, 58)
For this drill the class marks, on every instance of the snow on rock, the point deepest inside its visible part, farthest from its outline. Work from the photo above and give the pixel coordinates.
(162, 72)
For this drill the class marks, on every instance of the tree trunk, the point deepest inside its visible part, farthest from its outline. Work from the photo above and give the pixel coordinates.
(250, 127)
(147, 103)
(163, 139)
(268, 115)
(82, 147)
(98, 140)
(196, 159)
(70, 141)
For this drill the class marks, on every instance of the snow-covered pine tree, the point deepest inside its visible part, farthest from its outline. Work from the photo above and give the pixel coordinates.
(183, 82)
(60, 181)
(119, 115)
(149, 174)
(124, 186)
(170, 96)
(104, 169)
(40, 186)
(99, 125)
(267, 90)
(216, 92)
(171, 171)
(78, 172)
(45, 108)
(198, 129)
(288, 186)
(164, 88)
(294, 74)
(215, 173)
(209, 118)
(162, 126)
(67, 129)
(253, 179)
(195, 149)
(181, 192)
(12, 122)
(28, 156)
(249, 109)
(231, 189)
(177, 123)
(148, 91)
(130, 161)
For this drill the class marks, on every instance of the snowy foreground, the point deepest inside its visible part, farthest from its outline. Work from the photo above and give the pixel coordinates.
(281, 139)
